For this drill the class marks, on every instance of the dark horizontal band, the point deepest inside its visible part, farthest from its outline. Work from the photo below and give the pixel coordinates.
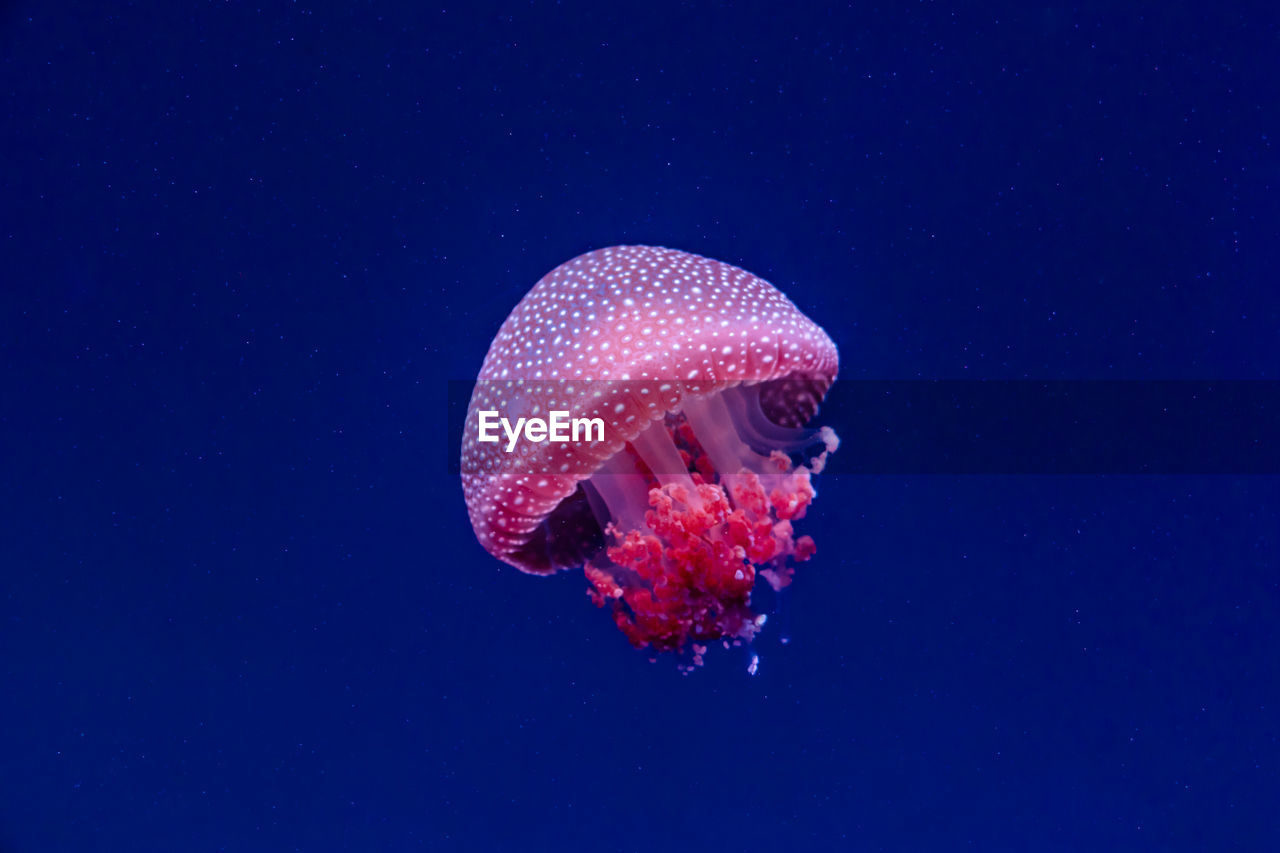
(1037, 427)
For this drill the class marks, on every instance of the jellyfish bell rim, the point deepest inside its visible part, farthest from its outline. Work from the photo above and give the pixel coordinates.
(542, 492)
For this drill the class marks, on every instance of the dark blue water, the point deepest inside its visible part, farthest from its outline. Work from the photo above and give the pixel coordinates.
(244, 250)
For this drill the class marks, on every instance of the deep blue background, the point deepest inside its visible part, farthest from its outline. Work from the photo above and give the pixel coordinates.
(243, 250)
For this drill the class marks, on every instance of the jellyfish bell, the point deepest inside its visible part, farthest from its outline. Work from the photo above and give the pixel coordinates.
(703, 376)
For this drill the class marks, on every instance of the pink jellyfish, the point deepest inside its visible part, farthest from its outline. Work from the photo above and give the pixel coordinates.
(702, 375)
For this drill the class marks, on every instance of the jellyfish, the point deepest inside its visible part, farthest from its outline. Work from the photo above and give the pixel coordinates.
(703, 376)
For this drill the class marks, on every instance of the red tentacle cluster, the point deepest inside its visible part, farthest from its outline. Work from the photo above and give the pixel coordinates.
(687, 575)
